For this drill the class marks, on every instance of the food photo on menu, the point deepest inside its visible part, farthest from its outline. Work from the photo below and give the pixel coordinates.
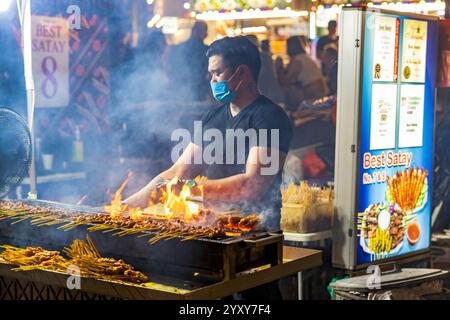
(387, 226)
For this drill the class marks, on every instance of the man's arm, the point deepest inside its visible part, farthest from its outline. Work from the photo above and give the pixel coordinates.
(319, 48)
(252, 183)
(181, 169)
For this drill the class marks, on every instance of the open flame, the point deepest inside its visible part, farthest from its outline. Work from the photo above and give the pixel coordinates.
(179, 205)
(178, 202)
(116, 208)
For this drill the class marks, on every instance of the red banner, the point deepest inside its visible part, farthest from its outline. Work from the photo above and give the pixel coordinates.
(397, 36)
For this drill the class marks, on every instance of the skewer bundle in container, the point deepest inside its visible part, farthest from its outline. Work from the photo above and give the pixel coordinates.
(306, 209)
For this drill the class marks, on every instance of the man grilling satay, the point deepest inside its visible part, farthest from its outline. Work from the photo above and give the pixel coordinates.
(244, 171)
(250, 136)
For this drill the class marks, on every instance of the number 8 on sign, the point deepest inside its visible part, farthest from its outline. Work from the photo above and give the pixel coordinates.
(49, 86)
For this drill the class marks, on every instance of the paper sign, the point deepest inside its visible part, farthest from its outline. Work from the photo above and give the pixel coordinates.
(414, 51)
(383, 116)
(385, 48)
(411, 116)
(50, 45)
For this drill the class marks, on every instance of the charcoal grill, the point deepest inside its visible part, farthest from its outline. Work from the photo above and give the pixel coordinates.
(201, 260)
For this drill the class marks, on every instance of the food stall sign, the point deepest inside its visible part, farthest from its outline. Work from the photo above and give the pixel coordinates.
(50, 45)
(385, 136)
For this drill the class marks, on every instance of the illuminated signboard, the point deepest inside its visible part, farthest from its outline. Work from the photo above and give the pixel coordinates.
(387, 208)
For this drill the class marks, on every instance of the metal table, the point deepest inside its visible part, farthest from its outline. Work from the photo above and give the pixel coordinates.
(305, 239)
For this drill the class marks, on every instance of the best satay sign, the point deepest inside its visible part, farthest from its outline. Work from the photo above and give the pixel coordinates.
(384, 160)
(50, 45)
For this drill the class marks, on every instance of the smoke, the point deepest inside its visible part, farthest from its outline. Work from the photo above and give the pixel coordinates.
(12, 84)
(152, 92)
(143, 107)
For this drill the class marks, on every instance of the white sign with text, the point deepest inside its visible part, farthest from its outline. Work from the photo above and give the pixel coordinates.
(50, 44)
(383, 116)
(411, 116)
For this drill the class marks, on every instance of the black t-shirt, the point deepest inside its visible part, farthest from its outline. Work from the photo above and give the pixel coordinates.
(322, 43)
(263, 118)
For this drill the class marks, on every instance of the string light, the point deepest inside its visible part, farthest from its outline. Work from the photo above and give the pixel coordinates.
(152, 22)
(245, 14)
(260, 29)
(4, 5)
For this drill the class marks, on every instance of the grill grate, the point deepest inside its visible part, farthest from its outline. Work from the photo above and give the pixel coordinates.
(87, 209)
(202, 260)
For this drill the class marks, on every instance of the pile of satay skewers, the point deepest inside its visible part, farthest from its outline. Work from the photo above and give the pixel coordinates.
(83, 255)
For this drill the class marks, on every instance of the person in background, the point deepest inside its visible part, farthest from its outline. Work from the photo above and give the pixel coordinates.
(302, 78)
(330, 67)
(312, 148)
(331, 37)
(253, 39)
(304, 40)
(148, 67)
(267, 81)
(265, 46)
(187, 66)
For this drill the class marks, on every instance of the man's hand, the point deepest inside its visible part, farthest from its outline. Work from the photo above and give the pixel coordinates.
(194, 188)
(153, 190)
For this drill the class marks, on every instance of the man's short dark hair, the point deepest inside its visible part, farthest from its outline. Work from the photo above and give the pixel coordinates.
(236, 51)
(294, 46)
(332, 24)
(265, 46)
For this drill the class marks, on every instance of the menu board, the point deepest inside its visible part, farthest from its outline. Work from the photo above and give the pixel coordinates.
(414, 50)
(385, 54)
(395, 138)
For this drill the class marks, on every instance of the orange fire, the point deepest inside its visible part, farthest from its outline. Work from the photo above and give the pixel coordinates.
(176, 204)
(135, 213)
(116, 208)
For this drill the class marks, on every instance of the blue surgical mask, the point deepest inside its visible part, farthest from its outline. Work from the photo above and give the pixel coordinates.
(222, 92)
